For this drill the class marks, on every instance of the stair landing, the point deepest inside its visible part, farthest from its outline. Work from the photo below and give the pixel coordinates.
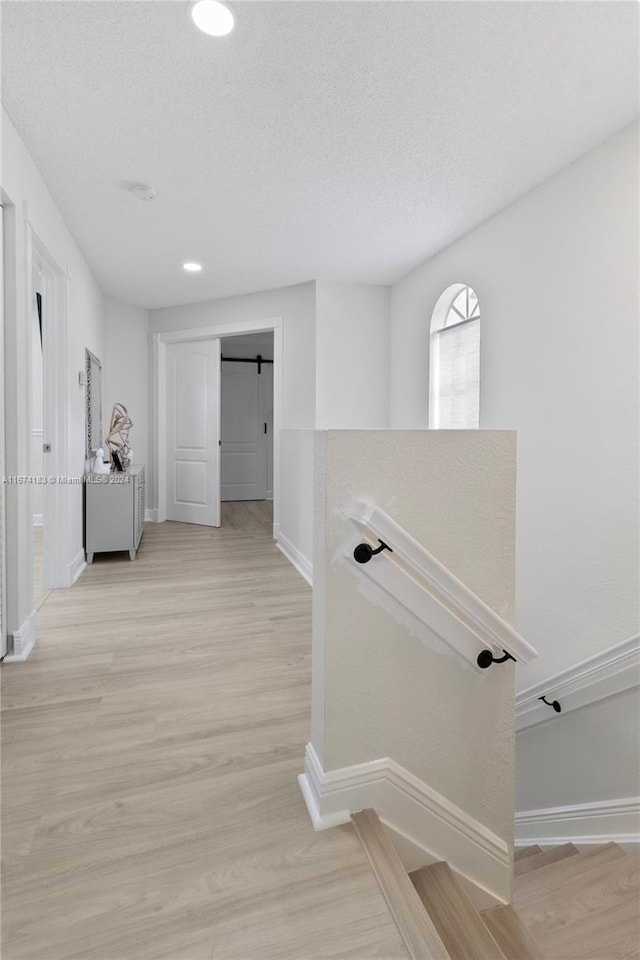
(567, 905)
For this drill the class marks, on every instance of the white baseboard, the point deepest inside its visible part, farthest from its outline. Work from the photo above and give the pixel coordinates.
(425, 825)
(610, 672)
(37, 520)
(294, 556)
(75, 568)
(24, 639)
(151, 516)
(584, 824)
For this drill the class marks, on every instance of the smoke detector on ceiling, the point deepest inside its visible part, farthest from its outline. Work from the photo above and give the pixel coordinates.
(143, 191)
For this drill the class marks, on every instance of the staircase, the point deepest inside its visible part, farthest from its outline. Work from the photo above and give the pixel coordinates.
(566, 905)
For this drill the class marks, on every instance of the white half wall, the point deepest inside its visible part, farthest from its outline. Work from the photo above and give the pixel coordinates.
(352, 355)
(557, 276)
(126, 373)
(387, 689)
(379, 688)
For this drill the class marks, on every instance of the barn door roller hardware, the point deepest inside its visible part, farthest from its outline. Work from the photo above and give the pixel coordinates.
(259, 360)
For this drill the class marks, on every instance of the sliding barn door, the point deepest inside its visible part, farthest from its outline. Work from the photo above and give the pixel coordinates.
(247, 423)
(193, 416)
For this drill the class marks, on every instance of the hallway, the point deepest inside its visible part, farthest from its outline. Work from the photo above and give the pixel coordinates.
(150, 750)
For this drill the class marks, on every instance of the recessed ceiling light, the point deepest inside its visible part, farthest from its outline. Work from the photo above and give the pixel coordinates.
(192, 267)
(143, 191)
(212, 17)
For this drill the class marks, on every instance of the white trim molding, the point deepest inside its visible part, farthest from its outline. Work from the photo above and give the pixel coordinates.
(75, 568)
(295, 557)
(150, 516)
(431, 592)
(427, 826)
(159, 342)
(610, 672)
(585, 824)
(24, 639)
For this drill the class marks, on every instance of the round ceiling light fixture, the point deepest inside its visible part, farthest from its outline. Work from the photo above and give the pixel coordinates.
(212, 17)
(192, 267)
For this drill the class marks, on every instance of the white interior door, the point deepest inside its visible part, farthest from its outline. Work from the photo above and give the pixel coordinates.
(193, 428)
(246, 430)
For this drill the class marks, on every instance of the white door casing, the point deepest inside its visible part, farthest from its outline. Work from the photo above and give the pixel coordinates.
(246, 430)
(193, 416)
(160, 343)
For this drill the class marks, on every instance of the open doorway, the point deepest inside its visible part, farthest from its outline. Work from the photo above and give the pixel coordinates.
(246, 432)
(245, 509)
(38, 310)
(47, 455)
(35, 391)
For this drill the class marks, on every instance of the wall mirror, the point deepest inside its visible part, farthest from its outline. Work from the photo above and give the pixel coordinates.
(94, 404)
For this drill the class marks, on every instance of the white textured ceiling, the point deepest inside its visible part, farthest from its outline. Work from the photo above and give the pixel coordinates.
(320, 139)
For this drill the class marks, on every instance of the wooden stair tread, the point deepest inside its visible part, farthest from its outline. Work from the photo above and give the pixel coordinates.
(556, 875)
(510, 933)
(596, 915)
(457, 921)
(538, 860)
(522, 852)
(414, 924)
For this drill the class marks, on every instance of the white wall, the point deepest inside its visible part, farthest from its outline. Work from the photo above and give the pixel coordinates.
(296, 306)
(125, 373)
(296, 499)
(377, 689)
(557, 278)
(32, 204)
(603, 735)
(352, 355)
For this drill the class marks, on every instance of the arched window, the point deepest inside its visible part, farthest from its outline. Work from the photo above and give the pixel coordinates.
(454, 360)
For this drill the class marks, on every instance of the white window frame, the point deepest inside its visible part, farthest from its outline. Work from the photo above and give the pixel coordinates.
(441, 320)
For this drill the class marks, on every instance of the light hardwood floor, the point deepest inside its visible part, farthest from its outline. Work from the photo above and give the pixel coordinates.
(249, 516)
(150, 750)
(39, 593)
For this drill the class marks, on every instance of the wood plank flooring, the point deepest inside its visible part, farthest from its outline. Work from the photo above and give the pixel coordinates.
(534, 862)
(39, 593)
(249, 516)
(150, 747)
(458, 923)
(510, 934)
(417, 928)
(584, 907)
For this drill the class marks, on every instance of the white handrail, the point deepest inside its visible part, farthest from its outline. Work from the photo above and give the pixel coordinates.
(456, 601)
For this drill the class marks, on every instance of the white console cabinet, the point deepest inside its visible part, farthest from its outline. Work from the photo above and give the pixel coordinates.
(114, 511)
